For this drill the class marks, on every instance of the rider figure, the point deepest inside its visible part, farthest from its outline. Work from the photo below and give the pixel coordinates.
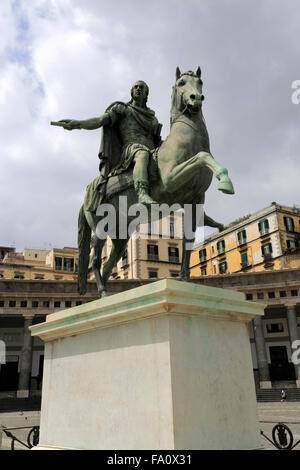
(138, 131)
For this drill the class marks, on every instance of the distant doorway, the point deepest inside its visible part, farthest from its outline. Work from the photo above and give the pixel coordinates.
(9, 376)
(280, 368)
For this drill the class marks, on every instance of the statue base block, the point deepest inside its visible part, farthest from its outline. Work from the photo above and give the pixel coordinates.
(163, 366)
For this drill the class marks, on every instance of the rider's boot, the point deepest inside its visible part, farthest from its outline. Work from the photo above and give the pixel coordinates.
(142, 190)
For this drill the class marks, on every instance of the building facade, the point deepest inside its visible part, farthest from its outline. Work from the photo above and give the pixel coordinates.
(154, 252)
(57, 264)
(271, 338)
(268, 239)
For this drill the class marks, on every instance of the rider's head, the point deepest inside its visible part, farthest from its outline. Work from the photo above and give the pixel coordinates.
(139, 88)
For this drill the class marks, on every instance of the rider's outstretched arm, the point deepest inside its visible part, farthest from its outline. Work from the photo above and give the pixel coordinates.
(89, 124)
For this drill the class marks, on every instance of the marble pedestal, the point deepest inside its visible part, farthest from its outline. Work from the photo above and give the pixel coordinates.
(163, 366)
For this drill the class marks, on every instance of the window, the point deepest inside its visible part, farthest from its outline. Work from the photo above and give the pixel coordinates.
(249, 296)
(58, 278)
(58, 263)
(202, 255)
(35, 255)
(152, 252)
(39, 277)
(282, 293)
(244, 259)
(221, 246)
(46, 304)
(172, 231)
(153, 274)
(275, 327)
(263, 227)
(173, 254)
(292, 244)
(19, 276)
(266, 249)
(35, 304)
(23, 303)
(12, 303)
(242, 237)
(124, 259)
(57, 304)
(1, 303)
(271, 295)
(223, 267)
(289, 224)
(68, 303)
(260, 295)
(203, 271)
(69, 264)
(1, 275)
(78, 302)
(173, 274)
(294, 293)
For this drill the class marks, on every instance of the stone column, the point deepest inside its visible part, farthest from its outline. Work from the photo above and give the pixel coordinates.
(262, 360)
(294, 335)
(26, 360)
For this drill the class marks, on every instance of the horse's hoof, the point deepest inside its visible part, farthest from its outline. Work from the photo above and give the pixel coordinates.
(103, 293)
(226, 185)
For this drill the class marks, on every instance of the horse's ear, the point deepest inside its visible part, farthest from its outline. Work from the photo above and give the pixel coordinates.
(198, 72)
(178, 73)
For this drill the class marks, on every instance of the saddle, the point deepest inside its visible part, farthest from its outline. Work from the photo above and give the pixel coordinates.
(102, 189)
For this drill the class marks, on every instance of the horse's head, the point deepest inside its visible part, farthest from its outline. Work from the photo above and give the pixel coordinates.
(187, 92)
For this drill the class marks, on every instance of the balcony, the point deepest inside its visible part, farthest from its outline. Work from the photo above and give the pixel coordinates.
(152, 257)
(264, 231)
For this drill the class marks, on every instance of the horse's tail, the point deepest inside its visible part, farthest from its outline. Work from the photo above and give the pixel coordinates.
(84, 239)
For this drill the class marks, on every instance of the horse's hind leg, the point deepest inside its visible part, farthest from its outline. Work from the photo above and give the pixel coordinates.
(118, 248)
(96, 264)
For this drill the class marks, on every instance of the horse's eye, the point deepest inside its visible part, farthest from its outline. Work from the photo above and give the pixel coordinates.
(181, 83)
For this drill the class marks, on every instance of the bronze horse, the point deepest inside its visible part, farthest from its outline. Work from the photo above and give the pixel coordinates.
(185, 170)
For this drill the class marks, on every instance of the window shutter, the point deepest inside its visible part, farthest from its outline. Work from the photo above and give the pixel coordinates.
(259, 226)
(270, 247)
(263, 250)
(266, 223)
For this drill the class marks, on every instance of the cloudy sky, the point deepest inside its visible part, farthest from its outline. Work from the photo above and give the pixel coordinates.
(72, 58)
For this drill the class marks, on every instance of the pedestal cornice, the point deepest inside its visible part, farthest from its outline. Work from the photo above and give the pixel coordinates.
(166, 296)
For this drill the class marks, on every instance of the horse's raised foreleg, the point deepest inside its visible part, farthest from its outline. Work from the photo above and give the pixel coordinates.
(225, 185)
(118, 248)
(181, 174)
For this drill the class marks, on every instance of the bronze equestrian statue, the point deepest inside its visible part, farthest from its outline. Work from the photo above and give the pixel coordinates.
(135, 163)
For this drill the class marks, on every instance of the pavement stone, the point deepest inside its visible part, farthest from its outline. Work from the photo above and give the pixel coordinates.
(269, 414)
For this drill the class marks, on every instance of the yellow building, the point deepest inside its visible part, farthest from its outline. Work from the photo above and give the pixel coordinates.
(34, 264)
(268, 239)
(149, 254)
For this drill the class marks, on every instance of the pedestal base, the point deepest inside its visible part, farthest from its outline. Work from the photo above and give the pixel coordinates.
(163, 366)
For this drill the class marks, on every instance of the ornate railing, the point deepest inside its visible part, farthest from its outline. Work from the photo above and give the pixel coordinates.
(32, 437)
(282, 436)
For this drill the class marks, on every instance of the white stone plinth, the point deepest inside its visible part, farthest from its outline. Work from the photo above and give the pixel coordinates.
(164, 366)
